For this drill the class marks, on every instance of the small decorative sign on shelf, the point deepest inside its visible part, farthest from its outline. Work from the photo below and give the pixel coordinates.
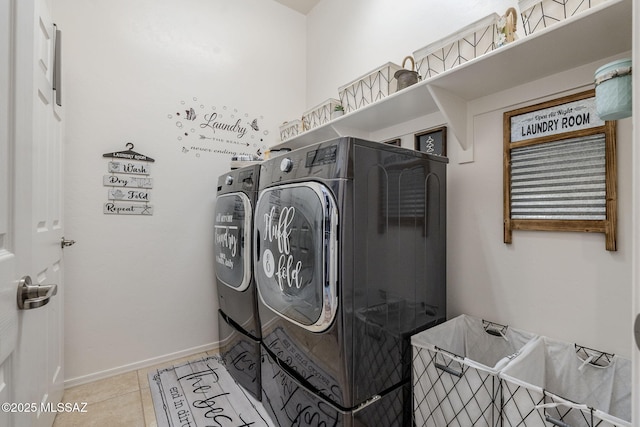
(128, 195)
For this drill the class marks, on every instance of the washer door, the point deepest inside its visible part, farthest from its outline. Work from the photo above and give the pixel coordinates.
(232, 240)
(296, 253)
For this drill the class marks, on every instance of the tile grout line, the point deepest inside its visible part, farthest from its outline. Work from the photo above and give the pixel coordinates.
(147, 422)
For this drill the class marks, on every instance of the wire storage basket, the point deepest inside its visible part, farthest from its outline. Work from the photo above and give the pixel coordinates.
(563, 384)
(455, 371)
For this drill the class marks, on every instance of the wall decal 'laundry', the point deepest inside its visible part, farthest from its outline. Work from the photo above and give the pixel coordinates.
(217, 130)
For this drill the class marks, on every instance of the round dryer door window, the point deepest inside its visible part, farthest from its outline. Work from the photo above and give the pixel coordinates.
(296, 253)
(232, 239)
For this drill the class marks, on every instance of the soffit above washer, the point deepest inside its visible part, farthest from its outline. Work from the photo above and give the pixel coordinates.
(302, 6)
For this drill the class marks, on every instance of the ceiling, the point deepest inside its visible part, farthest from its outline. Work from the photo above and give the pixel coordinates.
(302, 6)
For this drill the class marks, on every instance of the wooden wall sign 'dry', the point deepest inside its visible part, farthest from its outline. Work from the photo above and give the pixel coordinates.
(129, 183)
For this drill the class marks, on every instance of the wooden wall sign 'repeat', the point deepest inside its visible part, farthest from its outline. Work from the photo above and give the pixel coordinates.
(128, 209)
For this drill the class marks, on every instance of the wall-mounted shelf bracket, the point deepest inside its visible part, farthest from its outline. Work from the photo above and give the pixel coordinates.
(454, 110)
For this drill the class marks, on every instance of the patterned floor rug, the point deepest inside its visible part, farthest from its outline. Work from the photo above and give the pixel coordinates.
(202, 393)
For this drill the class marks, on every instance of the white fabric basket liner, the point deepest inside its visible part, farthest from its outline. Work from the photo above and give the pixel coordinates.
(540, 14)
(455, 367)
(550, 379)
(290, 129)
(369, 88)
(464, 45)
(460, 34)
(320, 114)
(525, 5)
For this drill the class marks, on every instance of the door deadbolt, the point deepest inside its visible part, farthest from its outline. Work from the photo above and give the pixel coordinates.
(34, 296)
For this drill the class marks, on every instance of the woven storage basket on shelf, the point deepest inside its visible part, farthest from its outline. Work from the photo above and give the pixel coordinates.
(371, 87)
(320, 114)
(290, 129)
(538, 15)
(465, 44)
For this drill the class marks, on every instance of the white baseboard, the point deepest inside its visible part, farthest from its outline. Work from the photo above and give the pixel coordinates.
(71, 382)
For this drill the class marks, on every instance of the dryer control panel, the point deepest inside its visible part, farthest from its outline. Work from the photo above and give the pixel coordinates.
(322, 156)
(324, 160)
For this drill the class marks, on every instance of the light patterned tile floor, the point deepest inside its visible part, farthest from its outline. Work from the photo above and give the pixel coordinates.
(120, 401)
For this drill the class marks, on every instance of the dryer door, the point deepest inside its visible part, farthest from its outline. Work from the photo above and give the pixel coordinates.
(296, 253)
(232, 240)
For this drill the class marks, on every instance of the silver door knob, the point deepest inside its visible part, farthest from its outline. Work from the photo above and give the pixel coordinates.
(636, 331)
(34, 296)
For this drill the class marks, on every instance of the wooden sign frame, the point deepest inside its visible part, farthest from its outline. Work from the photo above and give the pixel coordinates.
(556, 122)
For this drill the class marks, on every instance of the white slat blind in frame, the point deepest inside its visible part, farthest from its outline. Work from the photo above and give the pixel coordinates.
(560, 170)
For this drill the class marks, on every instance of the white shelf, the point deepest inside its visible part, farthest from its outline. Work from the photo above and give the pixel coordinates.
(601, 32)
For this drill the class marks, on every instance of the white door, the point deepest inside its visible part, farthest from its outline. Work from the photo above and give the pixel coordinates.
(636, 215)
(31, 376)
(8, 309)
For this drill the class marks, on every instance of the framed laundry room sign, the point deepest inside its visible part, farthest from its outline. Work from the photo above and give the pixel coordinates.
(559, 169)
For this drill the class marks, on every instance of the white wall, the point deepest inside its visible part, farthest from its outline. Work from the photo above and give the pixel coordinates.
(559, 284)
(141, 289)
(635, 214)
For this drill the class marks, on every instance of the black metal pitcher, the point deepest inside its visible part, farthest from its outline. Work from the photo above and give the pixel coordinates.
(405, 77)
